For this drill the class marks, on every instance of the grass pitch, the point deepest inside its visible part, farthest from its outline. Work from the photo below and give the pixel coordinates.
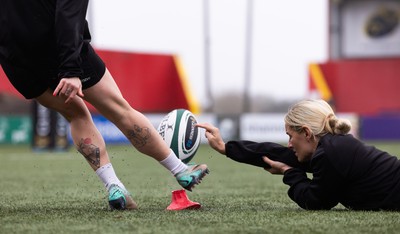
(50, 192)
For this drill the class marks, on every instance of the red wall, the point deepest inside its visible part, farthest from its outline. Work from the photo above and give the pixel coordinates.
(369, 86)
(149, 82)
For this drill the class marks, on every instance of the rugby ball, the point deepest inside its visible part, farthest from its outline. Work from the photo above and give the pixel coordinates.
(178, 130)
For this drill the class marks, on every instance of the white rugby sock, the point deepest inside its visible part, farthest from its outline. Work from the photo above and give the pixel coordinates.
(173, 164)
(107, 175)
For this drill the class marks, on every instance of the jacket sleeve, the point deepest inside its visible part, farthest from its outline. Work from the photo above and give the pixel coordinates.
(70, 26)
(250, 152)
(319, 193)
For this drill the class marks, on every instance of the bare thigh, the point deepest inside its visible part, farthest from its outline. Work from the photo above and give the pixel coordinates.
(74, 109)
(106, 97)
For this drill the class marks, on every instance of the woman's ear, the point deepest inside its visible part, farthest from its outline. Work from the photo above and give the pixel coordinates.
(308, 133)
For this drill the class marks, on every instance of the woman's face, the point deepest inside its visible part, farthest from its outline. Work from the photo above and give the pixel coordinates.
(303, 144)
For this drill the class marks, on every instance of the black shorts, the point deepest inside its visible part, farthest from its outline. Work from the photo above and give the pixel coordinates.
(31, 82)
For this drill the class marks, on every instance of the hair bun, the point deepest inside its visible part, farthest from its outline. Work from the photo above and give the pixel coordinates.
(342, 126)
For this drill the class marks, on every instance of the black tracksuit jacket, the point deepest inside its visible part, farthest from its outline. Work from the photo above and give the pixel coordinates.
(344, 170)
(44, 33)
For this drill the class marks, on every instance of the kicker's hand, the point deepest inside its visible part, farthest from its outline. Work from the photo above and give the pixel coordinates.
(69, 88)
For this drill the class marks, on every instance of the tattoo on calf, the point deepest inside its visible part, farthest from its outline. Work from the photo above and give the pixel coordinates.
(89, 151)
(138, 136)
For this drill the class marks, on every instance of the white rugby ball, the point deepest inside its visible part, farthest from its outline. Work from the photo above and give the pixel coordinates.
(178, 130)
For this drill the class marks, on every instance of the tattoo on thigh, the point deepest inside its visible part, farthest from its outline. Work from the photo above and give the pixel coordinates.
(138, 136)
(89, 151)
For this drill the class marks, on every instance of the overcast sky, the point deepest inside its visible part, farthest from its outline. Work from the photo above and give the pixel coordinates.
(287, 36)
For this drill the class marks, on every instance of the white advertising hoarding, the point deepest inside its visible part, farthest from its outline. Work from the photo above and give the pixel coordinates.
(263, 127)
(271, 127)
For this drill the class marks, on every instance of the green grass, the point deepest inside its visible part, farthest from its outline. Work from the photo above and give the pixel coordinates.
(58, 193)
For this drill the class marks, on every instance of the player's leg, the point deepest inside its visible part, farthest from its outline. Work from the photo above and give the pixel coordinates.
(32, 82)
(106, 97)
(89, 143)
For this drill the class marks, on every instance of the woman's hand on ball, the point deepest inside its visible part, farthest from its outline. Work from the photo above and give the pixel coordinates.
(213, 136)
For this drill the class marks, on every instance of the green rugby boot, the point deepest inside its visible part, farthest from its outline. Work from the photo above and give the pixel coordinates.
(192, 176)
(120, 199)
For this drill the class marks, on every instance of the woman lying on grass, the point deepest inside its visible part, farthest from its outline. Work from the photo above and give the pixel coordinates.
(344, 170)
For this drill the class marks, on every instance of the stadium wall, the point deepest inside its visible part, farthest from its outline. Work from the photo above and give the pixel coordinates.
(151, 83)
(365, 86)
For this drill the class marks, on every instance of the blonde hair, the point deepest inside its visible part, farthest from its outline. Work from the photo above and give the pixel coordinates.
(318, 116)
